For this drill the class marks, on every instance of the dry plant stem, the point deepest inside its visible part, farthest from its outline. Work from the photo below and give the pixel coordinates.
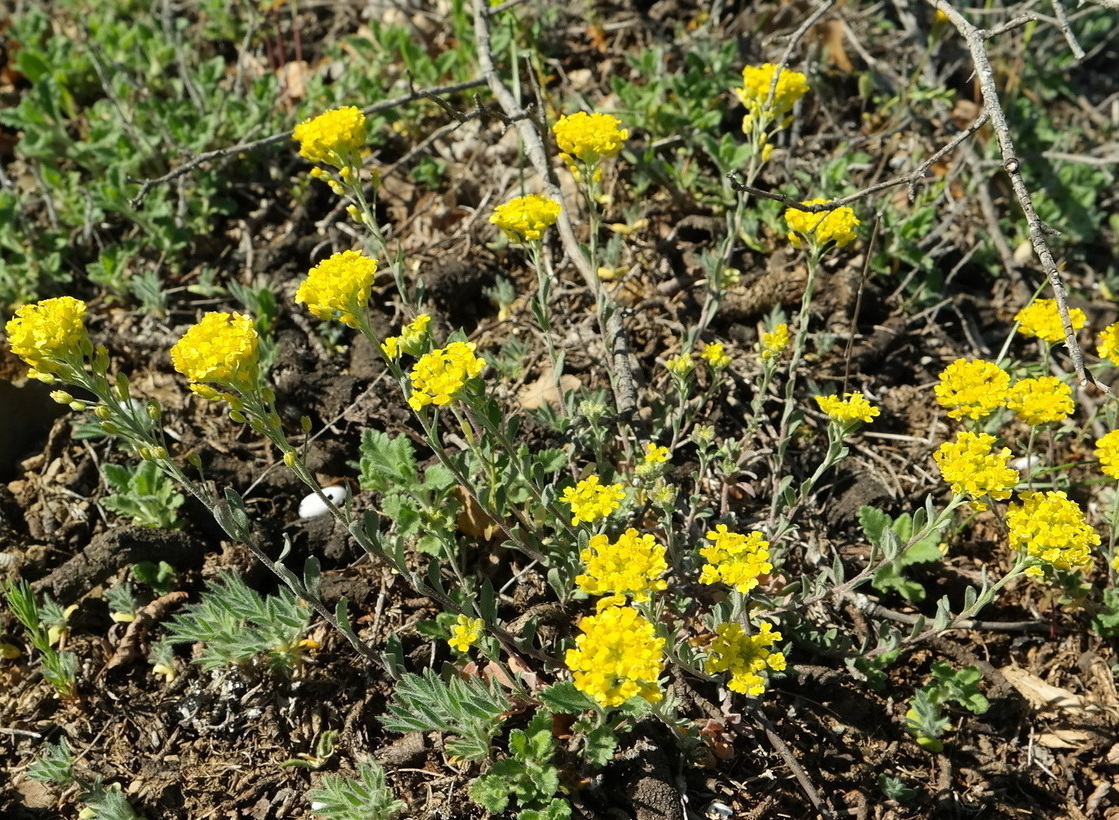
(625, 391)
(1066, 29)
(802, 30)
(868, 607)
(200, 159)
(824, 808)
(975, 39)
(911, 179)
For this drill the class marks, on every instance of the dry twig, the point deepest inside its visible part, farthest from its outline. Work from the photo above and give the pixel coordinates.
(975, 39)
(146, 185)
(625, 391)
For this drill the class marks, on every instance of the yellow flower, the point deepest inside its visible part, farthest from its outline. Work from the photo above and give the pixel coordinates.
(774, 343)
(1051, 528)
(525, 218)
(1109, 344)
(333, 138)
(734, 559)
(655, 454)
(50, 336)
(1107, 451)
(339, 287)
(590, 500)
(1040, 400)
(716, 356)
(756, 81)
(1042, 319)
(680, 365)
(465, 633)
(972, 467)
(630, 566)
(618, 657)
(589, 137)
(851, 408)
(222, 348)
(837, 225)
(744, 656)
(410, 340)
(972, 389)
(439, 375)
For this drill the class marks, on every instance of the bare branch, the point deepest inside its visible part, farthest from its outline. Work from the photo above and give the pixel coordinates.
(911, 179)
(625, 392)
(1066, 29)
(146, 185)
(974, 38)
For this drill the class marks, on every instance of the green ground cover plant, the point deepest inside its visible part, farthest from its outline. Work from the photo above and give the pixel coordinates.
(639, 554)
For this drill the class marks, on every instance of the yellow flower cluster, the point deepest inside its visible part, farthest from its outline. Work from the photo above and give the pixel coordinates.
(223, 348)
(754, 94)
(525, 218)
(339, 287)
(837, 225)
(735, 559)
(1052, 529)
(973, 467)
(680, 366)
(851, 408)
(442, 373)
(410, 340)
(1107, 451)
(972, 389)
(333, 138)
(1042, 319)
(1109, 344)
(465, 633)
(49, 335)
(655, 454)
(774, 343)
(589, 137)
(716, 356)
(632, 565)
(744, 656)
(618, 657)
(1040, 400)
(589, 500)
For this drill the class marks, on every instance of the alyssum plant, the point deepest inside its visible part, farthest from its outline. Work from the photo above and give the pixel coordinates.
(613, 534)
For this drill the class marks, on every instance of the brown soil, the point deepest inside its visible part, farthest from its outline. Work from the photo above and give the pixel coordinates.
(214, 744)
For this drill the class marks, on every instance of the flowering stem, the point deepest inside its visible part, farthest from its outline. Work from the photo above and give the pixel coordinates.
(536, 551)
(785, 429)
(543, 318)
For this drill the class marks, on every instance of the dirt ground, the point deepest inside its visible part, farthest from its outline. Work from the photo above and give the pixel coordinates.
(214, 744)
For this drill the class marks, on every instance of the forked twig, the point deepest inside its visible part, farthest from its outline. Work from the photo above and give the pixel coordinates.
(146, 185)
(975, 39)
(911, 179)
(625, 391)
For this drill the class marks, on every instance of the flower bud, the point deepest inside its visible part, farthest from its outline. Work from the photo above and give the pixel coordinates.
(61, 396)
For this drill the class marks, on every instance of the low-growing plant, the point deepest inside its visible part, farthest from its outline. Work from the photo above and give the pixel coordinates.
(926, 719)
(238, 627)
(144, 494)
(59, 667)
(364, 796)
(658, 576)
(56, 766)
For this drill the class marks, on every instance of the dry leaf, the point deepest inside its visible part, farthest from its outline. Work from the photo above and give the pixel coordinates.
(532, 396)
(1065, 739)
(471, 520)
(831, 34)
(1041, 695)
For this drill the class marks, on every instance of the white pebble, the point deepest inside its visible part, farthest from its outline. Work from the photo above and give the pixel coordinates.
(312, 506)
